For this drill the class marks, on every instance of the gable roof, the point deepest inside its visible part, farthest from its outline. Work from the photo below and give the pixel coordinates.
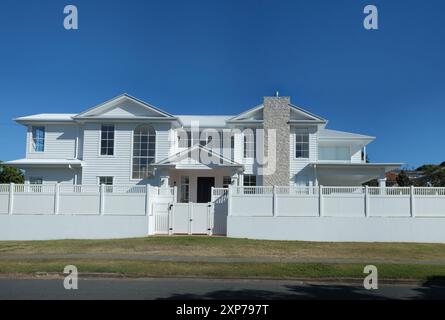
(108, 105)
(244, 116)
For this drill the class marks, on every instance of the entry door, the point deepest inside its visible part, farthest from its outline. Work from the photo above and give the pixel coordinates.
(205, 185)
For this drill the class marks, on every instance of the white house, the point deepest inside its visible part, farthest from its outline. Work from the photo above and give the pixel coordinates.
(127, 141)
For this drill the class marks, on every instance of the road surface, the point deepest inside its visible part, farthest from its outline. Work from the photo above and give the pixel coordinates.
(135, 289)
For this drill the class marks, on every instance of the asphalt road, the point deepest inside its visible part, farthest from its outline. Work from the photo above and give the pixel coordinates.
(136, 289)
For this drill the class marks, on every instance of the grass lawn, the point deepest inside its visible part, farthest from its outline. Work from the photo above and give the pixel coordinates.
(395, 260)
(227, 247)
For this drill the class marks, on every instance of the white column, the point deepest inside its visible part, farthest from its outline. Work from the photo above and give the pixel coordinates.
(412, 202)
(320, 200)
(11, 198)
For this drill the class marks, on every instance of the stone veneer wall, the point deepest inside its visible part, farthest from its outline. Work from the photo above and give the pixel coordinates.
(276, 115)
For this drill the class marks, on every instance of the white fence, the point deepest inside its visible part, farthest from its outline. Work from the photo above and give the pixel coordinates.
(337, 202)
(40, 212)
(60, 199)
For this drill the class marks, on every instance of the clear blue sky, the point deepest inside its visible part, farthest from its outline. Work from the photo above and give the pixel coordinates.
(222, 57)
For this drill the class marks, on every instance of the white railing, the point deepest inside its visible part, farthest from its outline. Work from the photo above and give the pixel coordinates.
(253, 190)
(344, 201)
(429, 191)
(41, 199)
(342, 190)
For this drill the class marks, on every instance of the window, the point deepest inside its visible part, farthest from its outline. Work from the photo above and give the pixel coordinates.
(144, 148)
(227, 181)
(185, 187)
(106, 180)
(249, 181)
(107, 140)
(302, 144)
(249, 143)
(38, 139)
(334, 153)
(34, 180)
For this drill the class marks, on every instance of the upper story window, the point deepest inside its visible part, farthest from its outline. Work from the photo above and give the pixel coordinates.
(144, 149)
(249, 143)
(335, 153)
(38, 139)
(302, 144)
(107, 140)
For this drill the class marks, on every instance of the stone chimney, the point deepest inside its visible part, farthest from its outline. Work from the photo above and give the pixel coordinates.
(276, 115)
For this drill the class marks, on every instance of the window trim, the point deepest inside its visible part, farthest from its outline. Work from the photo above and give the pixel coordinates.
(114, 141)
(34, 179)
(297, 132)
(32, 145)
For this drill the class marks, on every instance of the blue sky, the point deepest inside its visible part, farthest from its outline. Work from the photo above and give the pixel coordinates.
(222, 57)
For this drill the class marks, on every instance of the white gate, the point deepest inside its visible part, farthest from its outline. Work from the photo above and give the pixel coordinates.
(220, 197)
(191, 218)
(161, 217)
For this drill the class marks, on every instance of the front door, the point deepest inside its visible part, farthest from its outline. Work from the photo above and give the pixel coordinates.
(205, 185)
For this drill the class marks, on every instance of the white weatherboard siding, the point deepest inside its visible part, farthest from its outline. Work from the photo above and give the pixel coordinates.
(60, 142)
(118, 166)
(299, 167)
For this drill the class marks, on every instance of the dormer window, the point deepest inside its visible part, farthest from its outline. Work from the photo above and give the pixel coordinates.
(38, 139)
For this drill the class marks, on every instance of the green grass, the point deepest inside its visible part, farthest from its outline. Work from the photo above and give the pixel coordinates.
(226, 247)
(224, 270)
(394, 260)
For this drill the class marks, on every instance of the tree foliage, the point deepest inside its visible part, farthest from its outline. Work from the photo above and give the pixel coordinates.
(10, 175)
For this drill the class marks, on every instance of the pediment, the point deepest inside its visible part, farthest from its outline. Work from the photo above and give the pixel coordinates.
(124, 106)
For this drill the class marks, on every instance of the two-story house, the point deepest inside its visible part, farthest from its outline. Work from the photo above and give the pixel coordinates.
(126, 141)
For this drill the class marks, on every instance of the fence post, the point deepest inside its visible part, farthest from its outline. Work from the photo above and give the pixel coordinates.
(320, 200)
(56, 198)
(229, 200)
(367, 201)
(147, 200)
(175, 194)
(102, 199)
(412, 203)
(274, 201)
(11, 199)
